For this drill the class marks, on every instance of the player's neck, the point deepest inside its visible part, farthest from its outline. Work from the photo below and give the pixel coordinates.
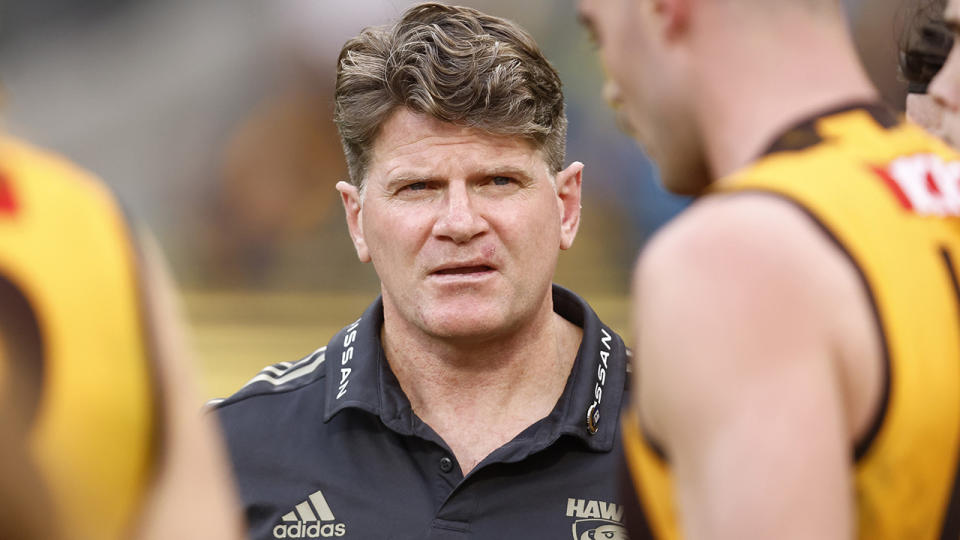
(804, 73)
(478, 397)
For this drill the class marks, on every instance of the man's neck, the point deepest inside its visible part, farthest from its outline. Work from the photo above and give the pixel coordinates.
(476, 396)
(785, 73)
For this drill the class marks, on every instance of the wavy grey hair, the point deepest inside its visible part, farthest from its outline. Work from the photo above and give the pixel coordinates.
(456, 64)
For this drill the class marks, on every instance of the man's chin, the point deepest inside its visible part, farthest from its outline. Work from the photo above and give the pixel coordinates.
(687, 176)
(465, 323)
(466, 329)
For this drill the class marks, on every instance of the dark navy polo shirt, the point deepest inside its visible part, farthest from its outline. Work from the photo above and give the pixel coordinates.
(328, 447)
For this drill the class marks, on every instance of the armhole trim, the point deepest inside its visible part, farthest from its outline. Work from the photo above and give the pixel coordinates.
(861, 447)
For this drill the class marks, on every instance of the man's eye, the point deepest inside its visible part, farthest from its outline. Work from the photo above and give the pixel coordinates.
(592, 35)
(416, 186)
(502, 180)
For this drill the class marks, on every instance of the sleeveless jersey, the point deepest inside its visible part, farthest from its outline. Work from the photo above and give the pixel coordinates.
(68, 272)
(888, 195)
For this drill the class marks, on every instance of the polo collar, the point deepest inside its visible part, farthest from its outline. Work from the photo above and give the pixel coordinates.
(359, 377)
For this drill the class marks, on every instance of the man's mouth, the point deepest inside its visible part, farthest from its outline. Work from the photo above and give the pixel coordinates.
(461, 270)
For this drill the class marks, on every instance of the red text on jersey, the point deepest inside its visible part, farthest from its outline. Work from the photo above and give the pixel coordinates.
(924, 184)
(8, 204)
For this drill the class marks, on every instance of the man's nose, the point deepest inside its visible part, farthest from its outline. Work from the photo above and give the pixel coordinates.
(459, 219)
(945, 86)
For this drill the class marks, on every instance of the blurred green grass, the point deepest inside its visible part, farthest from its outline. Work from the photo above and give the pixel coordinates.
(234, 334)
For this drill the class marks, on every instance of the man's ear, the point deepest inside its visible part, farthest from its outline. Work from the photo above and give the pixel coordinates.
(672, 16)
(353, 207)
(569, 182)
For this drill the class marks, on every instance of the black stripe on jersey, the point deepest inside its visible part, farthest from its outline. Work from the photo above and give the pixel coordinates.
(863, 445)
(22, 342)
(653, 445)
(804, 134)
(951, 520)
(651, 442)
(634, 516)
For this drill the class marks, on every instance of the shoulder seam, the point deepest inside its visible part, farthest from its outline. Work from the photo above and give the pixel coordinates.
(219, 404)
(278, 375)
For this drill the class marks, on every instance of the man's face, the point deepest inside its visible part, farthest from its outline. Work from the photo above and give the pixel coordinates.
(617, 37)
(942, 116)
(923, 109)
(464, 228)
(646, 86)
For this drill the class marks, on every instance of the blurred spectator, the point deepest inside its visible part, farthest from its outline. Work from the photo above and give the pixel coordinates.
(283, 159)
(925, 43)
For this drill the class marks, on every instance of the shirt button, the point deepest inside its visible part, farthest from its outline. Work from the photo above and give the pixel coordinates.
(446, 464)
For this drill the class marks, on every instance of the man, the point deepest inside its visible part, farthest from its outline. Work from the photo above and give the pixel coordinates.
(924, 45)
(93, 389)
(797, 327)
(945, 87)
(473, 398)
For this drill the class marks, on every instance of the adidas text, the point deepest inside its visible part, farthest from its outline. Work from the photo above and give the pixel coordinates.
(309, 530)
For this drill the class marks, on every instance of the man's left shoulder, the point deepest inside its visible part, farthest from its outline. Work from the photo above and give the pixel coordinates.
(278, 379)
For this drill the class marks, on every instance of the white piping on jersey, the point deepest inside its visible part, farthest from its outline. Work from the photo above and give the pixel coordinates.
(276, 376)
(279, 371)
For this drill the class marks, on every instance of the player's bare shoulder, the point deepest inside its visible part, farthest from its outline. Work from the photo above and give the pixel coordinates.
(751, 239)
(756, 264)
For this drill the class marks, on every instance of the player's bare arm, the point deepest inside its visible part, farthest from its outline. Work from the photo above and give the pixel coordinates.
(749, 344)
(193, 494)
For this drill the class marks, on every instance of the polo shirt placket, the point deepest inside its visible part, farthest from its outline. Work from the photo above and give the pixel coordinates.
(329, 447)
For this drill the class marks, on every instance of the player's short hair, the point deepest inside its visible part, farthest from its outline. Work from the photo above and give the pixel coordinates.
(455, 64)
(925, 43)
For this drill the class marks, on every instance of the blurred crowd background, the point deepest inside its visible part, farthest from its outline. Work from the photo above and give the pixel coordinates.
(211, 119)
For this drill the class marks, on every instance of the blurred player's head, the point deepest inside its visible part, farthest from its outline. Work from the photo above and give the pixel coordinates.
(457, 65)
(924, 44)
(664, 59)
(647, 83)
(925, 62)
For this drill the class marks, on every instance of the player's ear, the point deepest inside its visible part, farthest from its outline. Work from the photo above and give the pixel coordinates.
(569, 182)
(672, 15)
(353, 207)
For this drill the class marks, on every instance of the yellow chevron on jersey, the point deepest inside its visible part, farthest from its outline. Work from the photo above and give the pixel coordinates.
(889, 195)
(66, 246)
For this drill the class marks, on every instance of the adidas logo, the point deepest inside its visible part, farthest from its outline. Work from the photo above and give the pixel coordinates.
(307, 520)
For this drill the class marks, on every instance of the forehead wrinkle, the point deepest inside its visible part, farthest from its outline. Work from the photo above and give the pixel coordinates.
(417, 145)
(471, 154)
